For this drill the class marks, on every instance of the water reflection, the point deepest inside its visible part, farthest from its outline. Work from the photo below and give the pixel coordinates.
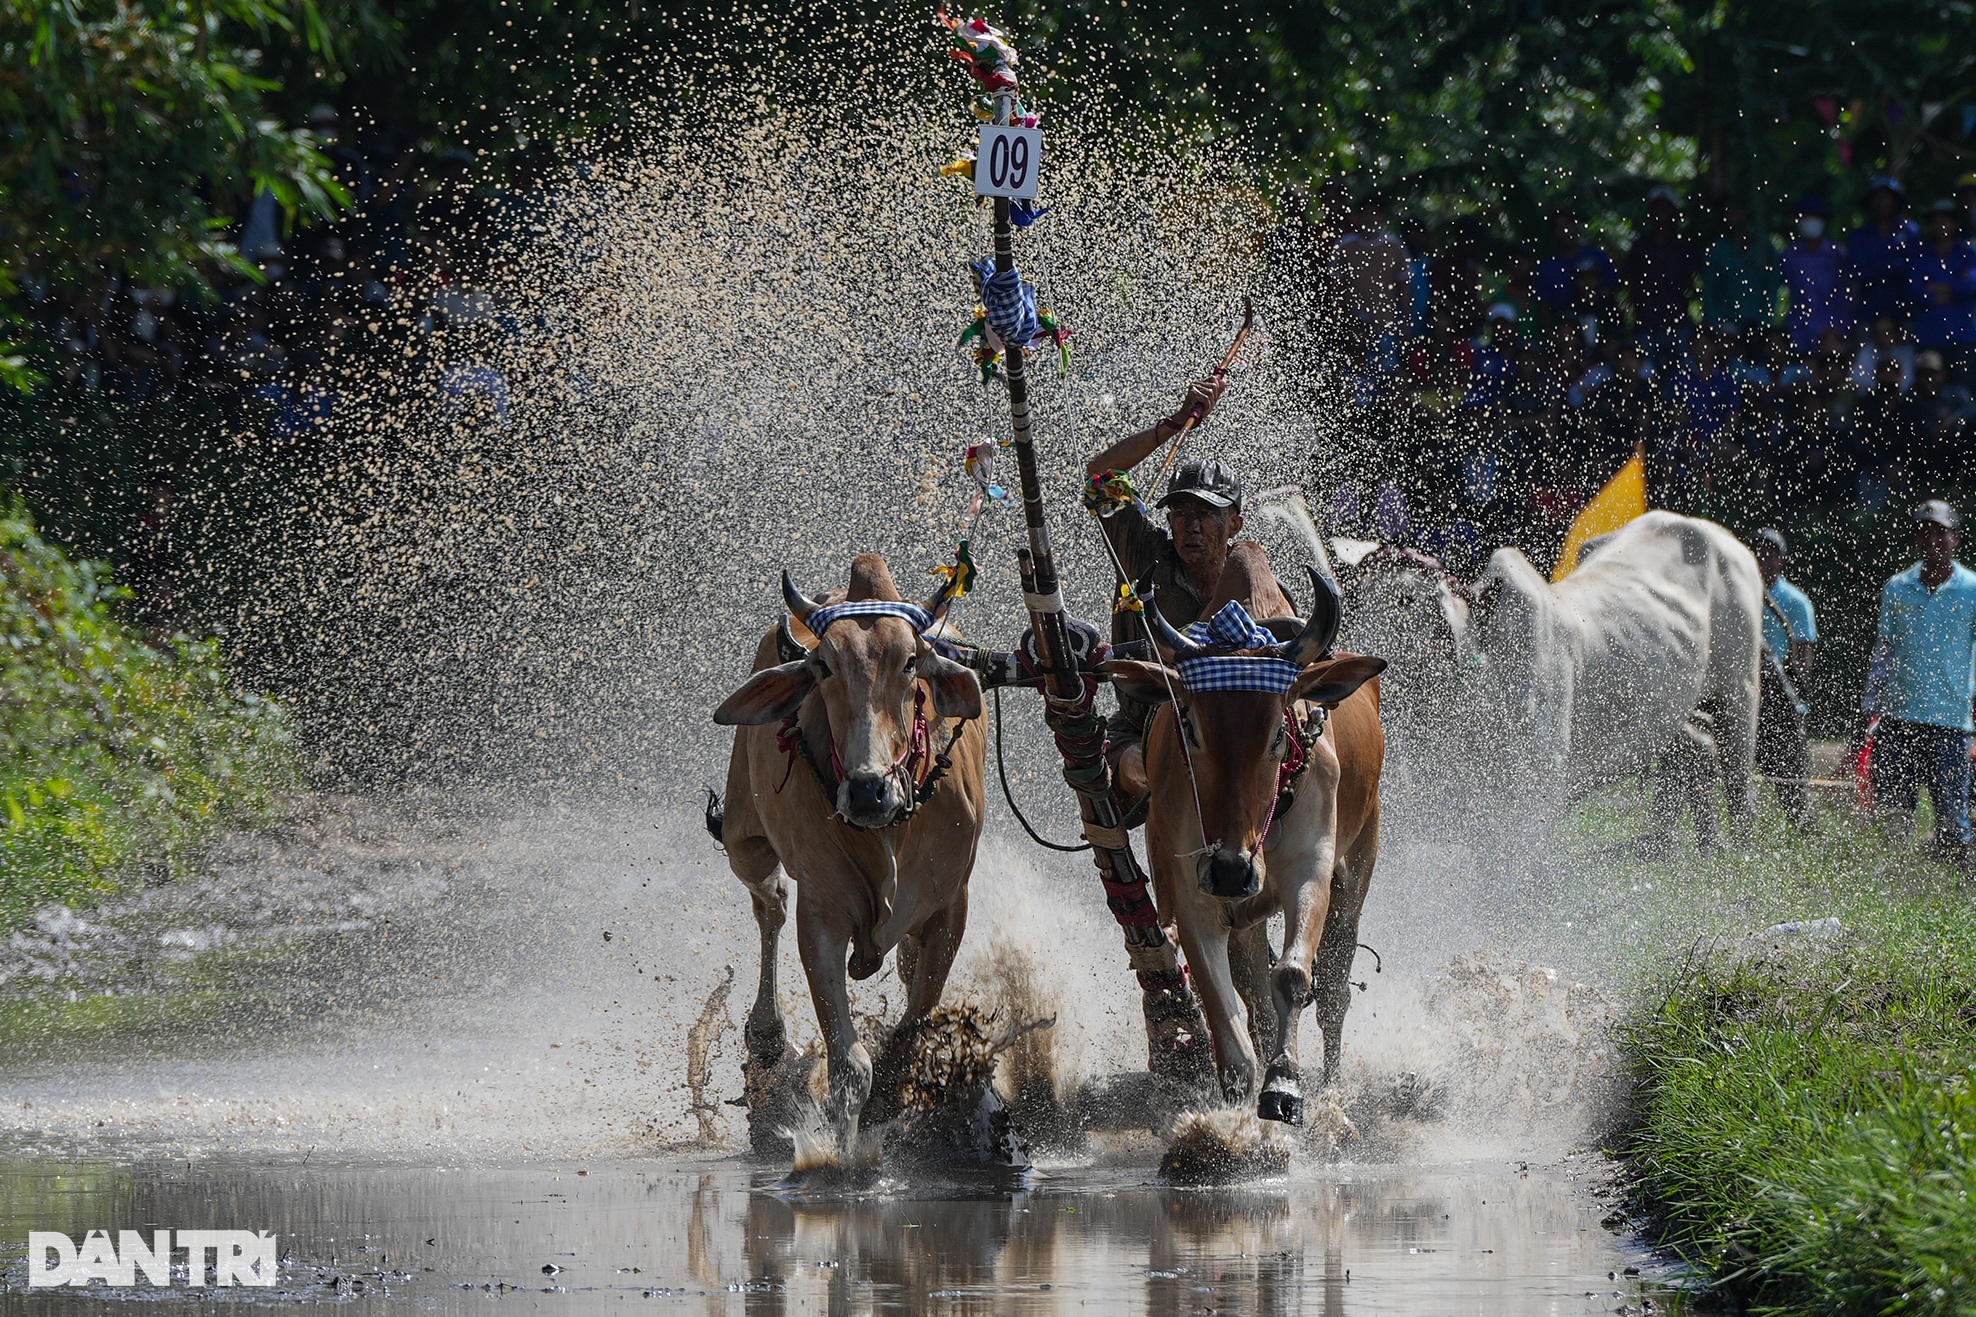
(726, 1238)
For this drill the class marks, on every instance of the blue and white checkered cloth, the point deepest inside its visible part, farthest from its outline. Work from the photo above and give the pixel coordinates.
(1233, 628)
(913, 614)
(1010, 304)
(1235, 672)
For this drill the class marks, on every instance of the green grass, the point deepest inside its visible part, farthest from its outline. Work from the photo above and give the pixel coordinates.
(1803, 1126)
(114, 752)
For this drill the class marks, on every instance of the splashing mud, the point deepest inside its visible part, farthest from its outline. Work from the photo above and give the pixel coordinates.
(528, 558)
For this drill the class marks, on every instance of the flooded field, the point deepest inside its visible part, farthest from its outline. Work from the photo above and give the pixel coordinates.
(721, 1236)
(439, 1045)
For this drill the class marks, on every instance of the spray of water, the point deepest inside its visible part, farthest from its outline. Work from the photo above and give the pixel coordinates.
(540, 546)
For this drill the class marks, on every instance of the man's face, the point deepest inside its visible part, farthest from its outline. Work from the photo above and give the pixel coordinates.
(1943, 229)
(1887, 375)
(1928, 380)
(1769, 563)
(1200, 531)
(1881, 205)
(1663, 213)
(1565, 229)
(1936, 543)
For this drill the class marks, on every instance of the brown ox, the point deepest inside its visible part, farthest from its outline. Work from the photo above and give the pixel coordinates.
(1224, 865)
(874, 868)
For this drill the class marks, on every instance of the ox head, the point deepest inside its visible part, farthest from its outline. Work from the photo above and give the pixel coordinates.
(1405, 605)
(868, 666)
(1230, 693)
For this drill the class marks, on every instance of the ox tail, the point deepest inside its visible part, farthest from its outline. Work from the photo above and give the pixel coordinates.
(716, 817)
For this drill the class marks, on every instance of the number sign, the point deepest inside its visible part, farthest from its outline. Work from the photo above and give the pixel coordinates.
(1008, 161)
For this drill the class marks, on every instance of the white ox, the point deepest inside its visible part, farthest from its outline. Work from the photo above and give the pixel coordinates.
(1649, 651)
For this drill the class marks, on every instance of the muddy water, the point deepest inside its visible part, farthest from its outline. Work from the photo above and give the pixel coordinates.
(721, 1236)
(465, 1021)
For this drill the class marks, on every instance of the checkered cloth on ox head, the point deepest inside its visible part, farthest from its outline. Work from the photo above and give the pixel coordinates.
(1233, 628)
(914, 616)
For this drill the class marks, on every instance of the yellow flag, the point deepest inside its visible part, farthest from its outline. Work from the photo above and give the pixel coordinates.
(1623, 498)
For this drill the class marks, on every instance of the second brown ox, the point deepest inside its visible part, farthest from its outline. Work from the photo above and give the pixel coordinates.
(1231, 844)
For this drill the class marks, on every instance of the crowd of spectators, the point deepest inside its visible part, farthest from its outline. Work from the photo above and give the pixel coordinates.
(165, 374)
(1832, 369)
(252, 345)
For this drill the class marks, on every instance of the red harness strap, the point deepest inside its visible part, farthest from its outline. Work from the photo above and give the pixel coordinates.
(1295, 758)
(913, 761)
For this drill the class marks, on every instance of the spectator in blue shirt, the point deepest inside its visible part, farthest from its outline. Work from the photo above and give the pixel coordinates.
(1921, 682)
(1790, 629)
(1556, 286)
(1818, 277)
(1883, 251)
(1945, 285)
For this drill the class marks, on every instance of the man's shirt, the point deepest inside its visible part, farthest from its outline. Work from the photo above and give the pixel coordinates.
(1924, 667)
(1800, 624)
(1554, 285)
(1818, 283)
(1140, 542)
(1883, 269)
(1953, 323)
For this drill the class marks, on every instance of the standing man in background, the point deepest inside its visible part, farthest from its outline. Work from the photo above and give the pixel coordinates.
(1921, 682)
(1790, 629)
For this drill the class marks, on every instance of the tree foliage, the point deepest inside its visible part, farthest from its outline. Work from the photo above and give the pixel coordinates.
(133, 126)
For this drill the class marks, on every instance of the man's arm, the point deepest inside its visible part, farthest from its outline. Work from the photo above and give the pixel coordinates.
(1801, 657)
(1136, 448)
(1879, 663)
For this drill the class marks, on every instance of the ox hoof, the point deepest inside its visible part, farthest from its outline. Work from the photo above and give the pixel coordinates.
(1285, 1107)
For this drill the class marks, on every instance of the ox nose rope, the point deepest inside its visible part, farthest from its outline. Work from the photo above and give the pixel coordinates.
(789, 739)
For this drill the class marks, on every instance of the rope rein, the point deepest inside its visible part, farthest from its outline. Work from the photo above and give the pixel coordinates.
(1002, 770)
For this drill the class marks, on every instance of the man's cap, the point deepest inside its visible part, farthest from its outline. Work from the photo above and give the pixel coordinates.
(1944, 206)
(1967, 180)
(1206, 482)
(1929, 360)
(1812, 203)
(1502, 311)
(1773, 537)
(1937, 512)
(1886, 183)
(1587, 263)
(1662, 192)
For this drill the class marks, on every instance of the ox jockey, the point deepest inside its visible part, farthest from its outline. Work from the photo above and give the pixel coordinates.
(1185, 556)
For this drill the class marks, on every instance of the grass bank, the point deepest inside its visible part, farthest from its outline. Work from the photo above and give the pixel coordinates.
(115, 753)
(1803, 1125)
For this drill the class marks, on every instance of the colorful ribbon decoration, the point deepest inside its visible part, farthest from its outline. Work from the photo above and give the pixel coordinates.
(1108, 493)
(961, 571)
(986, 52)
(1008, 314)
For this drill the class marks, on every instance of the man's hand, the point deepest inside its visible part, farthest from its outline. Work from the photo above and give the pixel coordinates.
(1202, 395)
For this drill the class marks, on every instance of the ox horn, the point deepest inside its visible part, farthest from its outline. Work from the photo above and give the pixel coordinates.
(1165, 638)
(936, 605)
(1327, 612)
(800, 604)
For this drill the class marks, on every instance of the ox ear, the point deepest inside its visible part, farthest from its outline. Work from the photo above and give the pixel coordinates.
(769, 696)
(956, 689)
(1141, 681)
(1330, 682)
